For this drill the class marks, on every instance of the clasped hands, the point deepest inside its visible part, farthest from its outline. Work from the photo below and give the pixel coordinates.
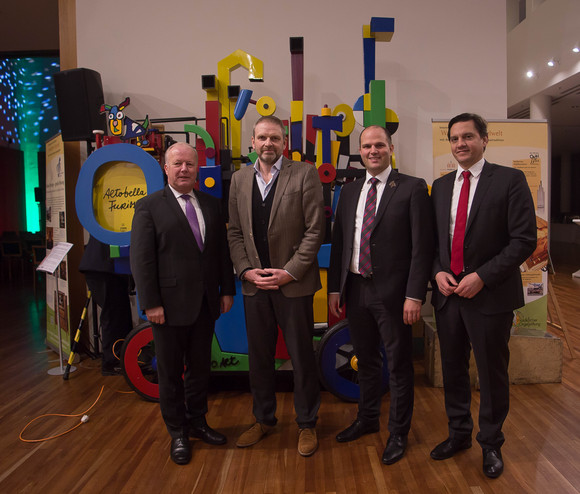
(268, 279)
(468, 287)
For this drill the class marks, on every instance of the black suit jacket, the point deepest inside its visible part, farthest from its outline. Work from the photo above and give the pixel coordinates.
(401, 240)
(499, 236)
(167, 264)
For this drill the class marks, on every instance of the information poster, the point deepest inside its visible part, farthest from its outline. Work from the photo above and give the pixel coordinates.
(521, 144)
(57, 294)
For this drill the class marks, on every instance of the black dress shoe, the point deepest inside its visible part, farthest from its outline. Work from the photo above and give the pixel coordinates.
(492, 463)
(449, 447)
(395, 449)
(208, 435)
(180, 450)
(357, 429)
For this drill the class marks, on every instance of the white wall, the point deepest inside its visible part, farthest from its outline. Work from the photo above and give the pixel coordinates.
(446, 57)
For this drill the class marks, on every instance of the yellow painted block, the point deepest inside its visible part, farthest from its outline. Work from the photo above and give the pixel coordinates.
(367, 102)
(117, 186)
(255, 68)
(391, 116)
(367, 31)
(321, 300)
(266, 106)
(296, 111)
(334, 148)
(348, 120)
(318, 148)
(383, 36)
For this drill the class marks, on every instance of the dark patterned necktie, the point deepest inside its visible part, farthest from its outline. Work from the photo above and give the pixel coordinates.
(364, 260)
(460, 222)
(192, 219)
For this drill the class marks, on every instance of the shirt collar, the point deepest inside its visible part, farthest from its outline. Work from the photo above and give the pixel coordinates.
(382, 177)
(474, 169)
(179, 194)
(277, 165)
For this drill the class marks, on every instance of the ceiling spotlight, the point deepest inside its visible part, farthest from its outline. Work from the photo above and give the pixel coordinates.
(530, 74)
(552, 62)
(576, 49)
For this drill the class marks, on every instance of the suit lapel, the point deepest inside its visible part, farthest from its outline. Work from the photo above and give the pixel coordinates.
(283, 178)
(351, 202)
(246, 186)
(388, 192)
(175, 207)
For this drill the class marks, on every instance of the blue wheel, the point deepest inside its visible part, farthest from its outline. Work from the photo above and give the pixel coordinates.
(337, 364)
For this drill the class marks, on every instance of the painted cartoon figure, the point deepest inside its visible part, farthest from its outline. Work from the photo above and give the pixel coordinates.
(122, 126)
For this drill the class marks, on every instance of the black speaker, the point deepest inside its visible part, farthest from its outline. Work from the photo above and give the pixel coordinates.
(79, 96)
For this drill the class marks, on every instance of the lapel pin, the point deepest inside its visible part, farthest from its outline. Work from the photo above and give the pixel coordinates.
(392, 184)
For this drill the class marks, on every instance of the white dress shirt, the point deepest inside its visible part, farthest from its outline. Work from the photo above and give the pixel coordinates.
(360, 211)
(473, 181)
(196, 206)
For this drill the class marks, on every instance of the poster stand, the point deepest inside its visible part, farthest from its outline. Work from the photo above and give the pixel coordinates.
(51, 265)
(552, 295)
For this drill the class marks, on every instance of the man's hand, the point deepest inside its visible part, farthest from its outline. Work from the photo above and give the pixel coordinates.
(226, 302)
(334, 305)
(469, 286)
(156, 315)
(446, 283)
(268, 279)
(411, 311)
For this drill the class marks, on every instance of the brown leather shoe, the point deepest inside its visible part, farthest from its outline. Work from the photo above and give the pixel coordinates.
(307, 442)
(253, 435)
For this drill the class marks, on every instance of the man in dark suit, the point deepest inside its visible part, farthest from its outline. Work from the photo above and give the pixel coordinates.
(184, 278)
(275, 230)
(382, 251)
(486, 227)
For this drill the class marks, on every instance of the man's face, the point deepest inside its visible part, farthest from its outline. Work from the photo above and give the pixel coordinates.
(467, 146)
(269, 142)
(181, 168)
(375, 150)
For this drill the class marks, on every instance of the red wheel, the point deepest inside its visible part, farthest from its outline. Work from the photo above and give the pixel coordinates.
(139, 362)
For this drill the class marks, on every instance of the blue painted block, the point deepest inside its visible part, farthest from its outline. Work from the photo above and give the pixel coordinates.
(210, 180)
(369, 49)
(382, 24)
(324, 256)
(230, 328)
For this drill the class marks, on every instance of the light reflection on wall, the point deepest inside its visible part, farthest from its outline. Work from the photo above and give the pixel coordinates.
(28, 117)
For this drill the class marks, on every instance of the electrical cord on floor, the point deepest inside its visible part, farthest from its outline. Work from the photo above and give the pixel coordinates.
(84, 419)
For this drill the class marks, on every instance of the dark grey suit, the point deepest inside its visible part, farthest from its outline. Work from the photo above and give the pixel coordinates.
(401, 255)
(500, 234)
(171, 271)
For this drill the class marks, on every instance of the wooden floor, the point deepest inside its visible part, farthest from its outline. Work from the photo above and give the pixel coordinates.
(124, 446)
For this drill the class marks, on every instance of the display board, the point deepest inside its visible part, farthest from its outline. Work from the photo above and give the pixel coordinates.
(57, 301)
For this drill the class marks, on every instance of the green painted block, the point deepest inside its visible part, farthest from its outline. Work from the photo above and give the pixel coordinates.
(378, 104)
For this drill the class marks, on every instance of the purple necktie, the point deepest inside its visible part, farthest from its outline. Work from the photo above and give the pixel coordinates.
(460, 222)
(364, 259)
(193, 221)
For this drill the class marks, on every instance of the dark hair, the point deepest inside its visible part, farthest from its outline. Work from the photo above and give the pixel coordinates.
(478, 121)
(271, 119)
(387, 133)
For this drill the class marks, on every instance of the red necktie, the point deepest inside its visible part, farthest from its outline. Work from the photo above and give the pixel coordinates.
(460, 222)
(364, 259)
